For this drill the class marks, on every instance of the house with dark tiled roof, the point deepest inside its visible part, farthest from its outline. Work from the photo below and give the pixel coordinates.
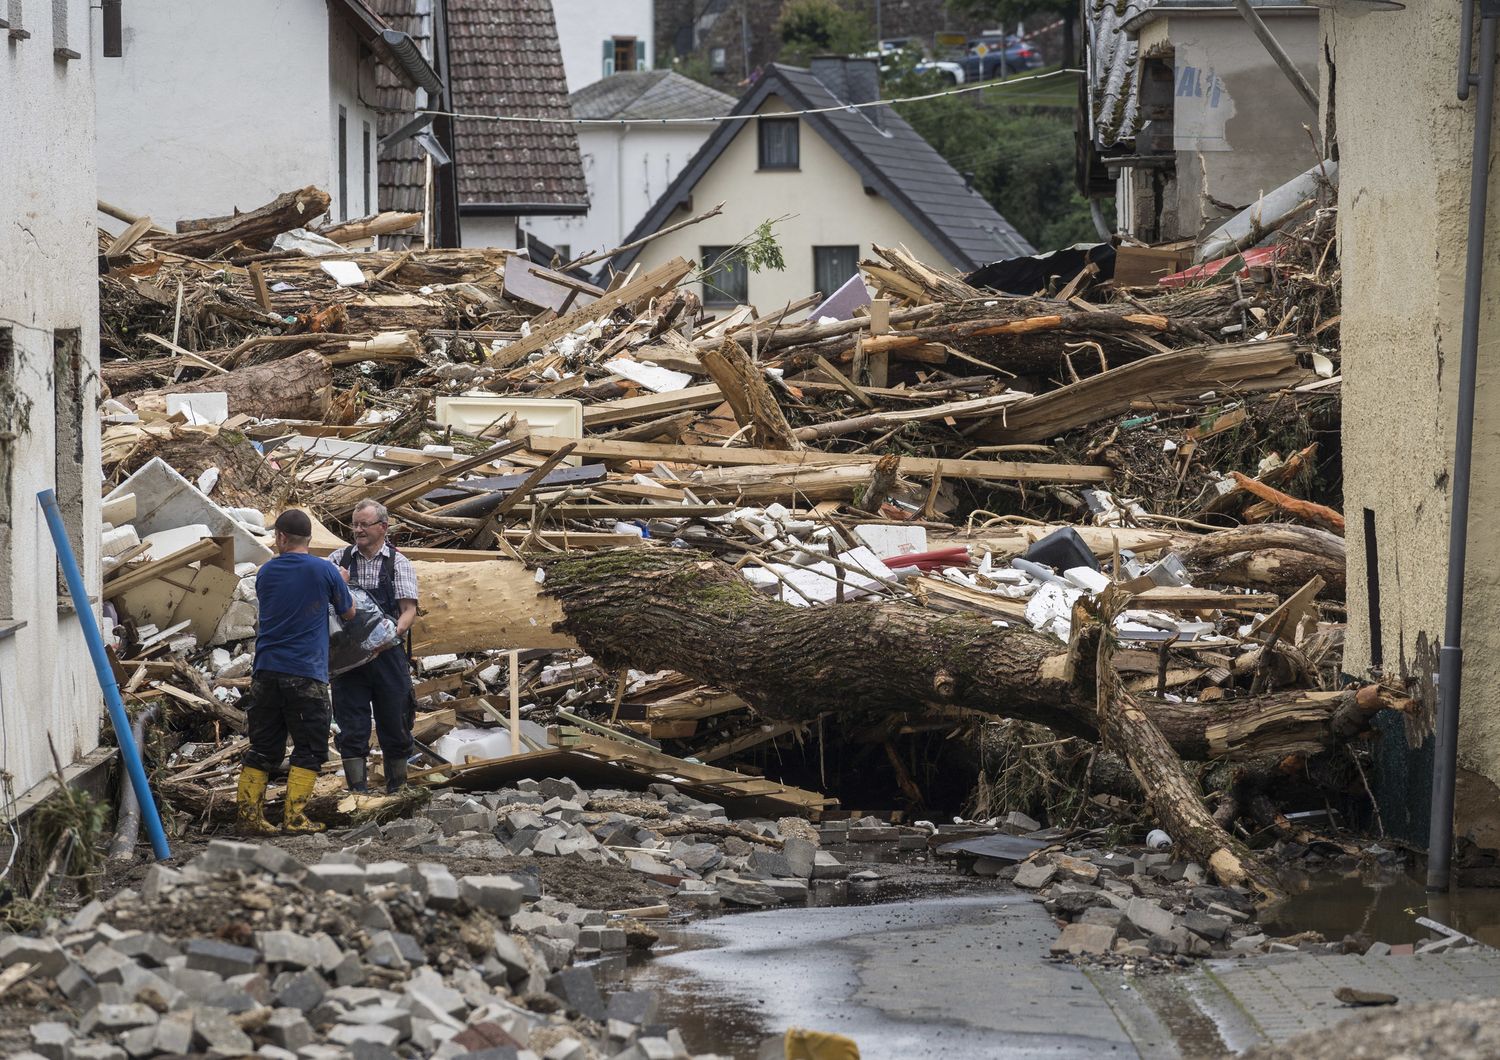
(836, 181)
(1186, 117)
(499, 58)
(628, 166)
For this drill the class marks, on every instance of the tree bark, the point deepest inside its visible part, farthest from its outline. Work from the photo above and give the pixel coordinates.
(659, 609)
(1281, 557)
(294, 388)
(749, 395)
(295, 209)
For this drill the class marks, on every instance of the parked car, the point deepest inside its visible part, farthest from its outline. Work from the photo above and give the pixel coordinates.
(992, 57)
(952, 71)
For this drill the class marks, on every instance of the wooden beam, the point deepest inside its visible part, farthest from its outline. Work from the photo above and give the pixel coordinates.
(650, 406)
(715, 456)
(655, 281)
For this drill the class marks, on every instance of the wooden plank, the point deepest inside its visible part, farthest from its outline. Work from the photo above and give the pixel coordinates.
(714, 456)
(1188, 598)
(744, 742)
(147, 572)
(651, 406)
(128, 238)
(656, 280)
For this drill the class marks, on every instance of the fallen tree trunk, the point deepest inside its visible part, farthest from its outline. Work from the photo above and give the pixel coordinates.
(654, 609)
(1174, 797)
(294, 209)
(294, 388)
(1280, 557)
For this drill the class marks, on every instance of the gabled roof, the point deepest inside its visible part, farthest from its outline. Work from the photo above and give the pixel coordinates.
(891, 159)
(506, 60)
(401, 170)
(648, 94)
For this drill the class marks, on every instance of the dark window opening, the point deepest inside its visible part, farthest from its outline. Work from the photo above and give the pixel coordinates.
(11, 426)
(779, 148)
(67, 427)
(624, 54)
(1372, 589)
(832, 267)
(368, 211)
(343, 164)
(725, 283)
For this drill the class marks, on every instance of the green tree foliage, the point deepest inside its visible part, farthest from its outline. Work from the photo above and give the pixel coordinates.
(1019, 157)
(819, 27)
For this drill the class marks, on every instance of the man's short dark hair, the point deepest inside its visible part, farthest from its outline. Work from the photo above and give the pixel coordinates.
(294, 524)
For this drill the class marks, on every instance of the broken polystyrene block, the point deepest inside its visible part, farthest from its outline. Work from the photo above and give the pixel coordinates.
(164, 500)
(1050, 609)
(654, 378)
(344, 273)
(119, 540)
(761, 578)
(1087, 579)
(165, 542)
(200, 408)
(428, 663)
(887, 541)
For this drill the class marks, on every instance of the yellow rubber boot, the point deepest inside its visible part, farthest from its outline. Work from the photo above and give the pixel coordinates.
(250, 802)
(299, 786)
(803, 1044)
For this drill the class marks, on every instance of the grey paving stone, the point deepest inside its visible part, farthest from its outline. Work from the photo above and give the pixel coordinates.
(578, 990)
(223, 958)
(500, 895)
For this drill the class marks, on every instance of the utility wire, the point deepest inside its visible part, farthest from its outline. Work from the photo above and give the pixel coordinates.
(616, 122)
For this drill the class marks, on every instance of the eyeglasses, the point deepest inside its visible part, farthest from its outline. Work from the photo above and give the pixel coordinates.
(366, 526)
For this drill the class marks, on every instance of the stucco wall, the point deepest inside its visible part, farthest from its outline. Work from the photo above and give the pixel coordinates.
(1404, 148)
(824, 203)
(584, 25)
(1235, 115)
(487, 231)
(627, 170)
(351, 79)
(47, 270)
(214, 106)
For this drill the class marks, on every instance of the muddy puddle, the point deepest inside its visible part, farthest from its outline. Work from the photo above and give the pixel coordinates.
(955, 976)
(1384, 908)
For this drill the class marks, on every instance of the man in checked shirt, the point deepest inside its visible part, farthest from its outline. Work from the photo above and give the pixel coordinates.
(382, 686)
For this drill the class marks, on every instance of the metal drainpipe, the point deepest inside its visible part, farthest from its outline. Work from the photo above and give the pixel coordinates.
(1451, 654)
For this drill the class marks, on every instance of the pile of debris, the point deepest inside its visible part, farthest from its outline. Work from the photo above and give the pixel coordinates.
(1011, 472)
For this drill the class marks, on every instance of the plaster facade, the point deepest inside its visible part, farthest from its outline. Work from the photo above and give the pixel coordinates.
(1236, 124)
(1404, 162)
(488, 231)
(218, 106)
(821, 203)
(627, 169)
(584, 27)
(49, 387)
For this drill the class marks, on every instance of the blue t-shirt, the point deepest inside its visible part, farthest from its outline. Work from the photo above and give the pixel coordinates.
(294, 590)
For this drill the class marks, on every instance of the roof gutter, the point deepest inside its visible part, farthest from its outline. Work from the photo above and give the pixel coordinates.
(522, 209)
(395, 50)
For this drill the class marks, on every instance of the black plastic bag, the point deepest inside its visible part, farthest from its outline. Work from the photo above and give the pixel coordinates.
(356, 641)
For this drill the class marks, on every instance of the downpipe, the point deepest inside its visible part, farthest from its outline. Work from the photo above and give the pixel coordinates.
(1451, 655)
(119, 720)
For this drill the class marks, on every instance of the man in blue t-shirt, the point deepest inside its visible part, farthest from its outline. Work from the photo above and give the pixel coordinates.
(289, 693)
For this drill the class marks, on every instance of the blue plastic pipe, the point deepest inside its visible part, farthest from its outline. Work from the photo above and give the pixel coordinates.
(117, 717)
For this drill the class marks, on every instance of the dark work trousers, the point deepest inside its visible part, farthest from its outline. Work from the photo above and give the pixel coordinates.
(381, 687)
(283, 705)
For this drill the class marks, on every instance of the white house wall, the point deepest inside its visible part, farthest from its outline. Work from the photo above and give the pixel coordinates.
(584, 25)
(221, 105)
(824, 204)
(476, 231)
(47, 267)
(627, 170)
(351, 79)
